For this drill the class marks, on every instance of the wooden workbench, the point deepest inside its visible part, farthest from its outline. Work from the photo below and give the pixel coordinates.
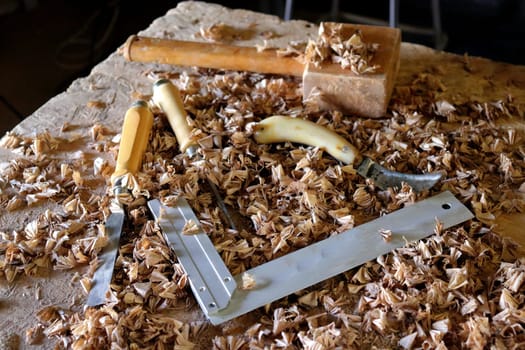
(104, 95)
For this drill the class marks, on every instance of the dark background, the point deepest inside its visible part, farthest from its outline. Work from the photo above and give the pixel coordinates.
(45, 44)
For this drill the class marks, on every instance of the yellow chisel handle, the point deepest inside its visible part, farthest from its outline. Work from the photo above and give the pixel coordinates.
(136, 128)
(167, 97)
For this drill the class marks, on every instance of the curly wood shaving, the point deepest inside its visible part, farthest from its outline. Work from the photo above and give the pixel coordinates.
(221, 32)
(386, 234)
(248, 281)
(460, 287)
(352, 53)
(190, 228)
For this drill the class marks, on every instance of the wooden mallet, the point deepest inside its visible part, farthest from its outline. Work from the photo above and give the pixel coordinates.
(327, 83)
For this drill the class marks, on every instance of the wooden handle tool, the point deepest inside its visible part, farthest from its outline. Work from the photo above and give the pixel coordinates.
(136, 128)
(167, 97)
(216, 56)
(327, 84)
(287, 129)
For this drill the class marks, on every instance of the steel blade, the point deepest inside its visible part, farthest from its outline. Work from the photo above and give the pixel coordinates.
(210, 279)
(384, 178)
(102, 278)
(317, 262)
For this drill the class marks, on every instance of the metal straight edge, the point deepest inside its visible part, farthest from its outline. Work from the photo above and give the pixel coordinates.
(302, 268)
(210, 279)
(330, 257)
(102, 278)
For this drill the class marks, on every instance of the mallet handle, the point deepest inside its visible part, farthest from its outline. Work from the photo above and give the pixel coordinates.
(210, 55)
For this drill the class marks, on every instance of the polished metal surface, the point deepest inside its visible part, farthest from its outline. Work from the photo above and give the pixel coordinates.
(384, 178)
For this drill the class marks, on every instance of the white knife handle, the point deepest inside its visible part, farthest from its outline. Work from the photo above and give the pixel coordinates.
(287, 129)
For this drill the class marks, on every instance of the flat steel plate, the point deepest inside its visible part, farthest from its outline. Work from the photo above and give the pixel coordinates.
(322, 260)
(210, 279)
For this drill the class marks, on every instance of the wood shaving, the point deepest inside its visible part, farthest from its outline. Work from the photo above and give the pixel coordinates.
(294, 49)
(386, 235)
(221, 32)
(34, 335)
(460, 288)
(9, 341)
(190, 228)
(248, 281)
(352, 53)
(96, 104)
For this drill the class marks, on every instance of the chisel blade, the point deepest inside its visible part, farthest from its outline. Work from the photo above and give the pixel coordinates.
(104, 273)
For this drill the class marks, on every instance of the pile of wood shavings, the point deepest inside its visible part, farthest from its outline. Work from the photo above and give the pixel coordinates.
(352, 53)
(223, 33)
(461, 287)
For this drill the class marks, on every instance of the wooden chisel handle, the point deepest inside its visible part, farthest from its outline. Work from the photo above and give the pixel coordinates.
(136, 128)
(210, 55)
(167, 97)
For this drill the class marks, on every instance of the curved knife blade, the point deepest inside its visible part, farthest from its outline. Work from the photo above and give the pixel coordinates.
(384, 178)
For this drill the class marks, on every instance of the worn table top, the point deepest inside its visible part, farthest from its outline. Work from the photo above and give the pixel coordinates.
(102, 97)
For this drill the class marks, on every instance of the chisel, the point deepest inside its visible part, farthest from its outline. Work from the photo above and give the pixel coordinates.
(167, 97)
(136, 128)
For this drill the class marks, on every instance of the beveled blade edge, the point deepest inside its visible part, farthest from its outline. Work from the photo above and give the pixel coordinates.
(102, 278)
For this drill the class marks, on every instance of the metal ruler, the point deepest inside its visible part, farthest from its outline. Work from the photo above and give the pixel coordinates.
(216, 289)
